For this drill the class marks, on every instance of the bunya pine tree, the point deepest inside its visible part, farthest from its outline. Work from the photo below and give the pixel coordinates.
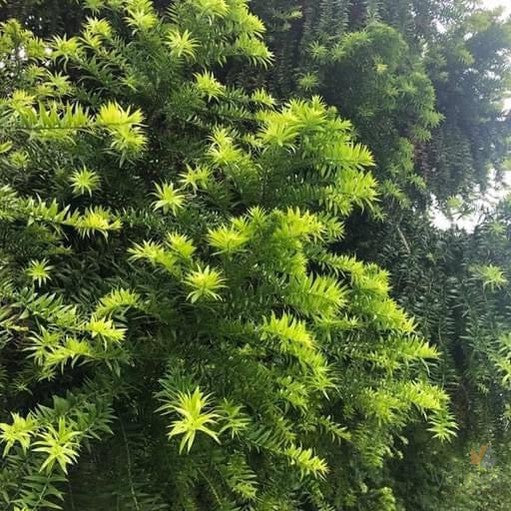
(177, 331)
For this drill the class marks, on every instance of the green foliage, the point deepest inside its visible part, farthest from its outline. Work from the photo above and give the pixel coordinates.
(193, 419)
(177, 332)
(423, 82)
(456, 284)
(470, 69)
(191, 316)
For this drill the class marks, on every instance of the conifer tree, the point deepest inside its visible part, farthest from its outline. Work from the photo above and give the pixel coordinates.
(176, 330)
(456, 283)
(423, 82)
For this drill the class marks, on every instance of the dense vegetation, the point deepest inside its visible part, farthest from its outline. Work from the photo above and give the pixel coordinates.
(221, 285)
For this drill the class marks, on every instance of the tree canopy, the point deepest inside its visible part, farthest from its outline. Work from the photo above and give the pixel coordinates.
(221, 287)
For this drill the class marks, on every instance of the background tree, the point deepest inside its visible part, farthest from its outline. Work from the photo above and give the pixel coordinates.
(422, 81)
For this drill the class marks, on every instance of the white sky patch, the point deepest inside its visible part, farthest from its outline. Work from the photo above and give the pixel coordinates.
(490, 4)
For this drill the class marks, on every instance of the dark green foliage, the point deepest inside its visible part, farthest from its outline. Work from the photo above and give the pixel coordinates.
(470, 69)
(43, 17)
(422, 81)
(456, 285)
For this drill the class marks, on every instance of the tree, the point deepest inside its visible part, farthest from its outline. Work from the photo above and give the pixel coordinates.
(470, 69)
(422, 81)
(457, 286)
(424, 85)
(177, 332)
(43, 17)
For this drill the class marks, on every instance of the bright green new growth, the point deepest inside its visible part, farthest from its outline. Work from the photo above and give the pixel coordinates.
(193, 419)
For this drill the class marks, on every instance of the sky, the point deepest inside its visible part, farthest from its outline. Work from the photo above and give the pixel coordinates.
(496, 3)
